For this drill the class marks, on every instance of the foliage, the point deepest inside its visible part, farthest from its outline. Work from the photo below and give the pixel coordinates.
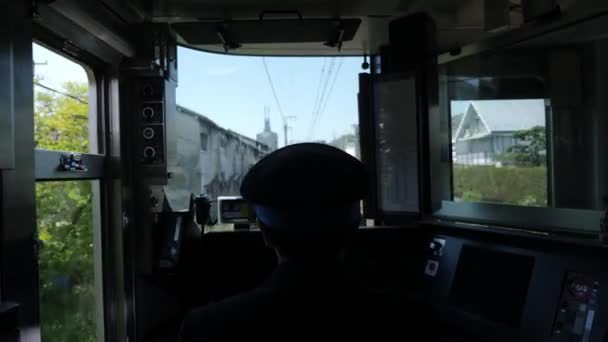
(65, 223)
(472, 196)
(531, 149)
(62, 123)
(508, 185)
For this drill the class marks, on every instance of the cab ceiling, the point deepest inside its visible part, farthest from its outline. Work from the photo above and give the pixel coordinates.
(458, 21)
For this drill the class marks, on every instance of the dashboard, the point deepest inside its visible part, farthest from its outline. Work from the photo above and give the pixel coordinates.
(511, 292)
(483, 286)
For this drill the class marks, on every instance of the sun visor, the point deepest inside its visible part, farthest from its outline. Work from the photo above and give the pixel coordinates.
(232, 34)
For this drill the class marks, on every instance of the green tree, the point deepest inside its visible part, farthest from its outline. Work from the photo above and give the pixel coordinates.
(65, 222)
(530, 149)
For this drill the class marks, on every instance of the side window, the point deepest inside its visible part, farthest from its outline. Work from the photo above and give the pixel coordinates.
(204, 141)
(68, 222)
(499, 151)
(526, 146)
(62, 114)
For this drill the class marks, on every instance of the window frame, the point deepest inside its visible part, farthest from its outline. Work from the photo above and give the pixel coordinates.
(582, 222)
(576, 221)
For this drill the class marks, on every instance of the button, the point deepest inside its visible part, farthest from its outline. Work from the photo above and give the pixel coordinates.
(147, 112)
(148, 133)
(149, 152)
(431, 268)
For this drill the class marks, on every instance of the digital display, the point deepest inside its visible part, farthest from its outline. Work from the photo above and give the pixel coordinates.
(492, 285)
(235, 210)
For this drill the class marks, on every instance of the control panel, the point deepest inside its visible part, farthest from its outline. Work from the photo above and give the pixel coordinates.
(517, 289)
(151, 116)
(153, 108)
(434, 254)
(577, 309)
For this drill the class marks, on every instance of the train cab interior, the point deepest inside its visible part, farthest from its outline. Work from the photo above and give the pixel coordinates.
(127, 126)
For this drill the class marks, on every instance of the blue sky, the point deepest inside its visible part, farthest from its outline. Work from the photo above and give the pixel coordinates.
(233, 90)
(56, 69)
(459, 107)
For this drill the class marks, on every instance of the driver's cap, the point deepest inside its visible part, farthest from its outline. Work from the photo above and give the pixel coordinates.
(306, 186)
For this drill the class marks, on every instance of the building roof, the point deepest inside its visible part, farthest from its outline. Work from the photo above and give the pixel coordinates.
(510, 115)
(456, 120)
(230, 133)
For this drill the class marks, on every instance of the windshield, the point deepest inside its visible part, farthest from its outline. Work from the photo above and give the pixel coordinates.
(233, 110)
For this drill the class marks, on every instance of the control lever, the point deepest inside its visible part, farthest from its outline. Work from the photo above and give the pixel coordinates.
(202, 207)
(173, 226)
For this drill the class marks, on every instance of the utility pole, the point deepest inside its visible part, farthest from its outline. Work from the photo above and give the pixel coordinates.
(286, 127)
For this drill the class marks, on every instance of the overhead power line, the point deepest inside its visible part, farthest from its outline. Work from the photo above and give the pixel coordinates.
(331, 90)
(59, 92)
(318, 92)
(274, 92)
(330, 71)
(285, 118)
(328, 85)
(323, 89)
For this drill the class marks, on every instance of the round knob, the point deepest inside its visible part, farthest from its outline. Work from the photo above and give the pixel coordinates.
(148, 133)
(149, 152)
(148, 113)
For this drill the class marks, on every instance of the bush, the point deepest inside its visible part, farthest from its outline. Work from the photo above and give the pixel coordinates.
(507, 185)
(471, 196)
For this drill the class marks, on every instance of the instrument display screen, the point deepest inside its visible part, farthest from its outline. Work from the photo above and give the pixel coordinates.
(491, 284)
